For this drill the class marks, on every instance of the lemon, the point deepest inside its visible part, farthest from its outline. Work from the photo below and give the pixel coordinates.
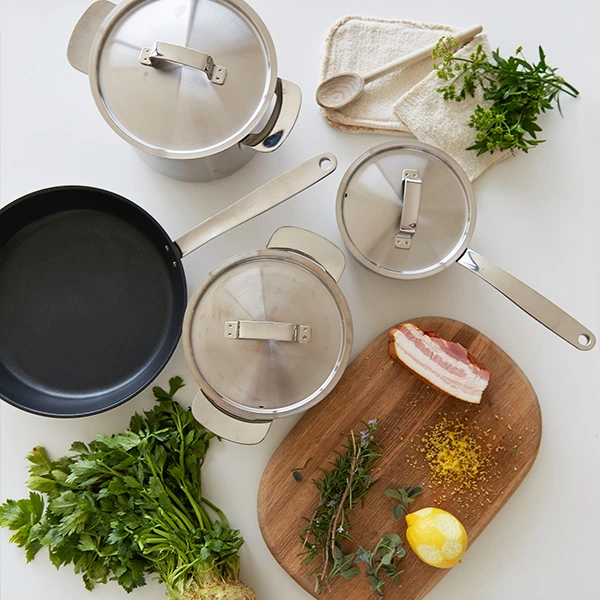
(437, 537)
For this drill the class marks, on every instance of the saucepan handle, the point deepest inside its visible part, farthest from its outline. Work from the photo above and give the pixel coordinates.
(533, 303)
(226, 427)
(288, 99)
(322, 251)
(80, 43)
(264, 198)
(164, 52)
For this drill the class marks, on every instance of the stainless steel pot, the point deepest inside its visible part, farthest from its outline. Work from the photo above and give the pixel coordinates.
(192, 86)
(407, 210)
(267, 334)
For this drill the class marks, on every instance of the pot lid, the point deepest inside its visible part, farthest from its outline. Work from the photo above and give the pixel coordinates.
(406, 209)
(183, 79)
(267, 334)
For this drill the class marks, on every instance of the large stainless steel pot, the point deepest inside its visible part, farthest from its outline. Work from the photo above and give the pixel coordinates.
(192, 86)
(267, 334)
(407, 210)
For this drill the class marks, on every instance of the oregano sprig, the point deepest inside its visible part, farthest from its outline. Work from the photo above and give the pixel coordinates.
(517, 92)
(404, 498)
(382, 560)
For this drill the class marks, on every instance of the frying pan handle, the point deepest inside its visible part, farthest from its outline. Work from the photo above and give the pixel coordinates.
(226, 427)
(533, 303)
(269, 195)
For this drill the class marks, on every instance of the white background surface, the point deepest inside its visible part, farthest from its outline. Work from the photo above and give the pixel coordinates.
(538, 218)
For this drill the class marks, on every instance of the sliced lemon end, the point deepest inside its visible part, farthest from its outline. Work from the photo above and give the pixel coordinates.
(452, 549)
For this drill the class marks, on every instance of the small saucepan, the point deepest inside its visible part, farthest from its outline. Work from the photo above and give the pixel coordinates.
(267, 334)
(407, 210)
(94, 292)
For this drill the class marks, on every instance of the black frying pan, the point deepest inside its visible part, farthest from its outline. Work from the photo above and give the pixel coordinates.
(93, 291)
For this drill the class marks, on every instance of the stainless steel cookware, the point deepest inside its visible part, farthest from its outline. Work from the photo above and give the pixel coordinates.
(192, 85)
(94, 291)
(407, 210)
(267, 334)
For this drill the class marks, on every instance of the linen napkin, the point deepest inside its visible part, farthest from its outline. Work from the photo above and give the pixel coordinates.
(404, 102)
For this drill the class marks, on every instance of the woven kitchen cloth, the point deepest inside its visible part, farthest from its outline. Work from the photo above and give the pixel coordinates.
(360, 44)
(405, 101)
(444, 123)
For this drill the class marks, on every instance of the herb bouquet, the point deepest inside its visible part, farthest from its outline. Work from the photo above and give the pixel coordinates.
(131, 504)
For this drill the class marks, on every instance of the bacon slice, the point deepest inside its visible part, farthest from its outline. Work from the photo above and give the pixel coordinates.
(446, 366)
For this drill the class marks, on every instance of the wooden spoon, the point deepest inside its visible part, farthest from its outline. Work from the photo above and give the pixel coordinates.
(340, 90)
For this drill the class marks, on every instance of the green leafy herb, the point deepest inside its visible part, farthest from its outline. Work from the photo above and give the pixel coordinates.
(405, 497)
(382, 560)
(517, 91)
(296, 472)
(340, 488)
(131, 504)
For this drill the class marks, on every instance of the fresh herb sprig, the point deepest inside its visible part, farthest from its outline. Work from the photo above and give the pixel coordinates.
(404, 498)
(518, 92)
(131, 504)
(382, 560)
(340, 488)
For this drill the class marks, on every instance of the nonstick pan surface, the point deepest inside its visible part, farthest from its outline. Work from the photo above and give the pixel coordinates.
(92, 298)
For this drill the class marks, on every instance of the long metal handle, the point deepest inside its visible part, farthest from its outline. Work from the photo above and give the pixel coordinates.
(540, 308)
(285, 113)
(268, 331)
(269, 195)
(462, 37)
(166, 52)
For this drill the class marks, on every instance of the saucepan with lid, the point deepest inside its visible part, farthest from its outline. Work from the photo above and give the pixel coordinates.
(407, 210)
(191, 85)
(94, 291)
(267, 334)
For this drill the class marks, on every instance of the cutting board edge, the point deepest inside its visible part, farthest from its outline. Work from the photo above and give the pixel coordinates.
(298, 575)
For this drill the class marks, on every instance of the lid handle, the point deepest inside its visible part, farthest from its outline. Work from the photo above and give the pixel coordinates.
(268, 330)
(411, 200)
(163, 51)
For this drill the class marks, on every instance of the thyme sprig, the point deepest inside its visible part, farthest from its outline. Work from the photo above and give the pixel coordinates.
(518, 92)
(340, 488)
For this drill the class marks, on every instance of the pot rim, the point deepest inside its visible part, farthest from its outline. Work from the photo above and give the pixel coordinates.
(260, 112)
(246, 413)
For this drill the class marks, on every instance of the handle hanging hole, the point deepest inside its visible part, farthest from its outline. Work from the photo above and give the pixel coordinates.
(584, 339)
(325, 163)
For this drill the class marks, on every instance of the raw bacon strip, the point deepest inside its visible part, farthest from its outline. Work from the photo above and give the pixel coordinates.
(446, 366)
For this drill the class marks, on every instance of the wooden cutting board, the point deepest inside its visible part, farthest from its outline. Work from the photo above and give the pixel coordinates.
(507, 425)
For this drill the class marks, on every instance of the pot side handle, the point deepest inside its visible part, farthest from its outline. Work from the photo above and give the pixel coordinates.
(282, 120)
(226, 427)
(80, 43)
(532, 302)
(316, 247)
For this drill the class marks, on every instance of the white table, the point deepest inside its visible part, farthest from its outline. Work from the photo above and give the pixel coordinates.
(538, 218)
